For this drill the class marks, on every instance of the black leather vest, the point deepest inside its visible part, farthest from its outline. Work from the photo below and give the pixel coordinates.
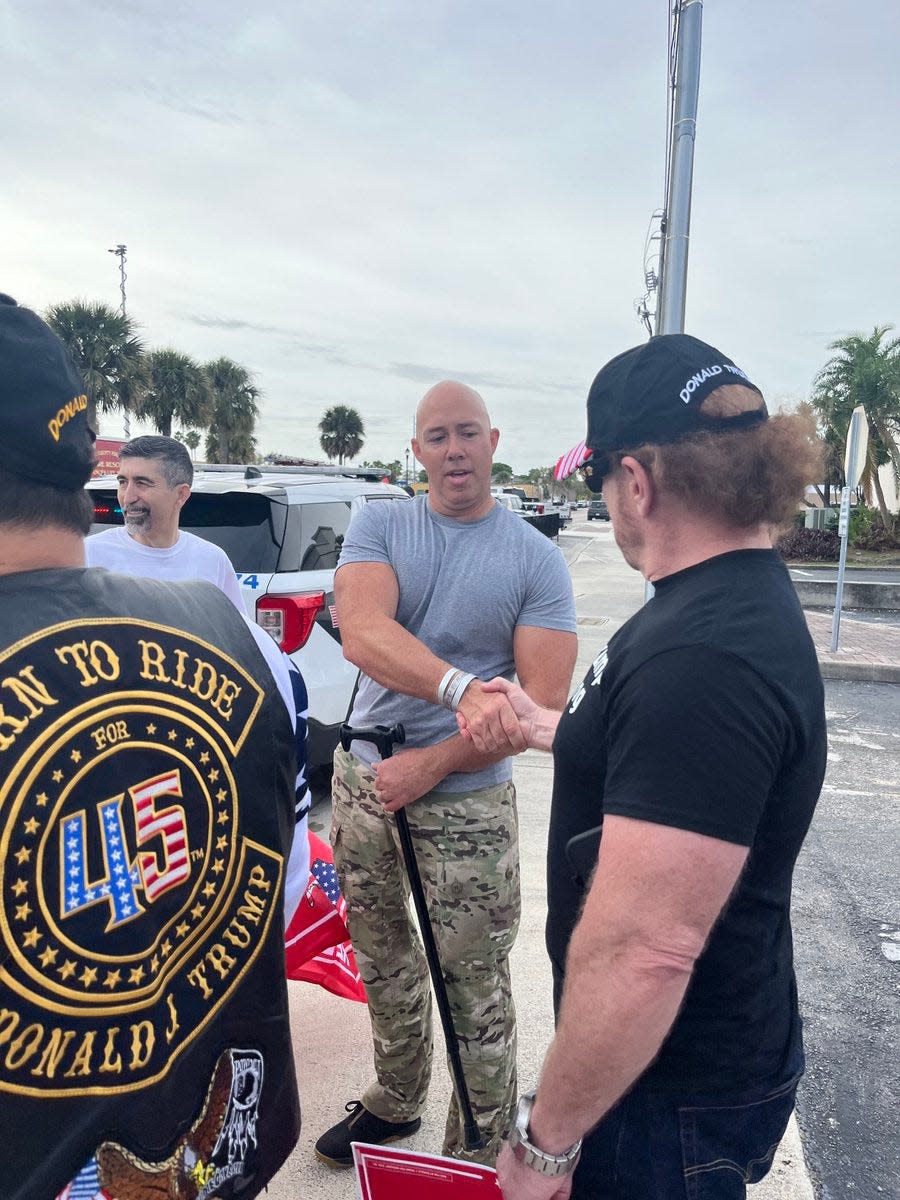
(146, 813)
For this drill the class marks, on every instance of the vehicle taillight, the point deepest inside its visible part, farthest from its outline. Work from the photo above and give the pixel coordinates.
(101, 510)
(289, 619)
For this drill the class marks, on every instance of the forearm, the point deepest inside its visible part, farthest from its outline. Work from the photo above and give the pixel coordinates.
(617, 1008)
(391, 656)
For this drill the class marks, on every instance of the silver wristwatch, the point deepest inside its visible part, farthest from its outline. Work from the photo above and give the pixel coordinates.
(532, 1156)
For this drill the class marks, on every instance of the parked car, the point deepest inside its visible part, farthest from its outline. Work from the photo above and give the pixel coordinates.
(283, 531)
(597, 510)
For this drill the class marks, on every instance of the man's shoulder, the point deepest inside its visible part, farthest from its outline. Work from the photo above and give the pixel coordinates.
(197, 545)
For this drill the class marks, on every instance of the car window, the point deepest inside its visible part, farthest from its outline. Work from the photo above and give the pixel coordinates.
(322, 529)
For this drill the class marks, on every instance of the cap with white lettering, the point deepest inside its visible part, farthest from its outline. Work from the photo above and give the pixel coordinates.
(44, 432)
(653, 393)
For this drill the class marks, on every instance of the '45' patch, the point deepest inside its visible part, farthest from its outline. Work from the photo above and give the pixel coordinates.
(132, 903)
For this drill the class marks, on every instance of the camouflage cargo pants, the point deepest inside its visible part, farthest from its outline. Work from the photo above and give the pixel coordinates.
(467, 850)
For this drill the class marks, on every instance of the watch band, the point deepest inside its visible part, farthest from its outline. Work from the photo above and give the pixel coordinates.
(533, 1156)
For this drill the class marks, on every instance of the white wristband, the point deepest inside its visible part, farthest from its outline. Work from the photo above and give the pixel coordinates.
(445, 682)
(458, 687)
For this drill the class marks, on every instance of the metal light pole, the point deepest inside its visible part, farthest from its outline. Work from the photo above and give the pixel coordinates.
(854, 461)
(407, 466)
(121, 252)
(674, 251)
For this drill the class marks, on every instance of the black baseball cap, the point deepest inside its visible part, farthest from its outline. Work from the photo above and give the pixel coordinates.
(44, 432)
(652, 394)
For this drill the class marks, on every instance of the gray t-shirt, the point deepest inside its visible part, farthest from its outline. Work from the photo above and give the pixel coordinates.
(464, 587)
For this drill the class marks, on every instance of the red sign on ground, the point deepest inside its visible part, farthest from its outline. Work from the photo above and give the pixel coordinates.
(385, 1173)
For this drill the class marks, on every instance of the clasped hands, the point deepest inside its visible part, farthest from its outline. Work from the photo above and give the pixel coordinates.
(497, 717)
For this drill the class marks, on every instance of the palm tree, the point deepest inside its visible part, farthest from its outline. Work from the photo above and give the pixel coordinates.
(235, 409)
(177, 388)
(866, 370)
(341, 433)
(106, 351)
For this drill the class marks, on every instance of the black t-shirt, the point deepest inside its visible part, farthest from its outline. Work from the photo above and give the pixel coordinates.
(706, 713)
(146, 814)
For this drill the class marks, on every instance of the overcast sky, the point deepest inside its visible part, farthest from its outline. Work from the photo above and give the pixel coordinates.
(358, 199)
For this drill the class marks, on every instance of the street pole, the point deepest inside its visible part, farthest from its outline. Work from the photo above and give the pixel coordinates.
(684, 97)
(854, 458)
(674, 253)
(121, 252)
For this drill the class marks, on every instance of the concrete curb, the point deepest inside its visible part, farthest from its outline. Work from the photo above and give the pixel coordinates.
(854, 670)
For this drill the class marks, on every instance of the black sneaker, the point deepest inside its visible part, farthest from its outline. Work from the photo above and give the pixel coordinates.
(333, 1147)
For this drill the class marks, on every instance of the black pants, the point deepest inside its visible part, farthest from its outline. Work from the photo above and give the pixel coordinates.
(654, 1147)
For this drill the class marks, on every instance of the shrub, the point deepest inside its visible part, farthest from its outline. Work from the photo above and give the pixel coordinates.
(873, 535)
(809, 545)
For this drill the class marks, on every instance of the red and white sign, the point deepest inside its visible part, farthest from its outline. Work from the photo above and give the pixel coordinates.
(107, 451)
(386, 1173)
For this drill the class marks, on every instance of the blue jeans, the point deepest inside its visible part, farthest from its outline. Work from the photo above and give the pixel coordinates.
(656, 1147)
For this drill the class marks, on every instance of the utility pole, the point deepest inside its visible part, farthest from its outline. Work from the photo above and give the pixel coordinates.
(677, 216)
(121, 252)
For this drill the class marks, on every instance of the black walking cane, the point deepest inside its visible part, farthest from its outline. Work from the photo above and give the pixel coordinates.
(384, 738)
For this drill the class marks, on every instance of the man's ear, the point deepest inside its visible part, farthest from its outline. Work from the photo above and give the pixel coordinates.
(638, 483)
(495, 438)
(415, 449)
(184, 490)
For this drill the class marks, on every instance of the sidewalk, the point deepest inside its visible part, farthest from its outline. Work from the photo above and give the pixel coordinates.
(867, 650)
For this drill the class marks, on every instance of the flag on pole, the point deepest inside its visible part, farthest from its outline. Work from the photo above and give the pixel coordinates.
(316, 943)
(571, 461)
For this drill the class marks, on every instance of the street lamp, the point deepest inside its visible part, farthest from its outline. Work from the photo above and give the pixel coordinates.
(407, 466)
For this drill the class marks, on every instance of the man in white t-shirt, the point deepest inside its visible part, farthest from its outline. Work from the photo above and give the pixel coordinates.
(155, 477)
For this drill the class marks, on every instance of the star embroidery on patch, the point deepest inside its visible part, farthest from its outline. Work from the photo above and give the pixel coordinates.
(112, 979)
(209, 889)
(31, 939)
(218, 866)
(57, 776)
(182, 928)
(75, 756)
(154, 964)
(31, 825)
(67, 970)
(166, 948)
(213, 775)
(221, 794)
(23, 911)
(222, 842)
(136, 974)
(47, 956)
(22, 856)
(223, 818)
(88, 976)
(20, 887)
(197, 911)
(41, 799)
(189, 742)
(171, 735)
(151, 729)
(204, 757)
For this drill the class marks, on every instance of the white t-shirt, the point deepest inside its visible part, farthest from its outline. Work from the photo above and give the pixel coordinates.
(190, 558)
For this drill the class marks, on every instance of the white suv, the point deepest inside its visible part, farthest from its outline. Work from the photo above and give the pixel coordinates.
(282, 530)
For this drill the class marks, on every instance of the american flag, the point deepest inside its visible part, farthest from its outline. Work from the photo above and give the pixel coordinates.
(571, 461)
(317, 945)
(86, 1185)
(328, 882)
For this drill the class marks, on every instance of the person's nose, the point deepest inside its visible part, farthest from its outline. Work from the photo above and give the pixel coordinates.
(127, 494)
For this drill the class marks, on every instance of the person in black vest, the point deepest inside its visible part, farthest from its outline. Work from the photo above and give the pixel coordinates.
(146, 814)
(696, 745)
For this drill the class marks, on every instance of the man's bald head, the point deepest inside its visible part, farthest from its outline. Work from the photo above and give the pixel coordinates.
(451, 395)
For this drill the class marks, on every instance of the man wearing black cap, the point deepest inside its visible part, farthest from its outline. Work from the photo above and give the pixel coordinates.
(146, 813)
(697, 743)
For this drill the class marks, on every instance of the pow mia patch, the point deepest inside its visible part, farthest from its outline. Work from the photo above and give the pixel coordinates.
(216, 1151)
(131, 903)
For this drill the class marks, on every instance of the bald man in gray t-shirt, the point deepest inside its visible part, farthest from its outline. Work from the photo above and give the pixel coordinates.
(434, 596)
